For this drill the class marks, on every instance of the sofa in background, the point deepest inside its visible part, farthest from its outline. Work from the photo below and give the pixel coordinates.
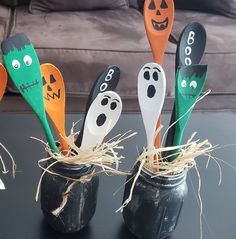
(83, 42)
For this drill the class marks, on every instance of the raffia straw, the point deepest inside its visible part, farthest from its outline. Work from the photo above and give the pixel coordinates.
(5, 171)
(185, 160)
(174, 123)
(103, 156)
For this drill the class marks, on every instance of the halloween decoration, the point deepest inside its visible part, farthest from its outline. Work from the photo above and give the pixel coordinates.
(190, 50)
(156, 204)
(158, 21)
(107, 81)
(3, 80)
(54, 100)
(79, 207)
(23, 66)
(151, 94)
(102, 116)
(189, 85)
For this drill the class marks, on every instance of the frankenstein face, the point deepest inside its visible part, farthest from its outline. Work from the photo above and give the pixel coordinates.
(23, 66)
(22, 63)
(159, 14)
(189, 85)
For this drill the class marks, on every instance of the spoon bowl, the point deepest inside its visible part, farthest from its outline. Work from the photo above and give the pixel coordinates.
(102, 116)
(54, 100)
(107, 81)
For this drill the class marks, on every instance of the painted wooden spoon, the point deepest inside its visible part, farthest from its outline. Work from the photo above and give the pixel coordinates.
(107, 81)
(190, 50)
(54, 101)
(102, 116)
(151, 95)
(158, 21)
(189, 85)
(3, 80)
(23, 66)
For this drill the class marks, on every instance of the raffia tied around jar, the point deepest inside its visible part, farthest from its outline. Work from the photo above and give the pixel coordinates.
(104, 157)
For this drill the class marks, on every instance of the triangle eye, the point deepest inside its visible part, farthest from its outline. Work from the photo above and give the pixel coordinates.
(164, 4)
(52, 79)
(44, 82)
(152, 5)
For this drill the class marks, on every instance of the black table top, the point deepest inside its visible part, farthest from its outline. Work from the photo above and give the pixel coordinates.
(21, 216)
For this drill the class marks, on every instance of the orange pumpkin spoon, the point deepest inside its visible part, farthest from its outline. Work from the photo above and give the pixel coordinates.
(54, 101)
(3, 80)
(158, 20)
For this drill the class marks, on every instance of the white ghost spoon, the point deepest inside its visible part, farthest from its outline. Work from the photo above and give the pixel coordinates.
(151, 95)
(102, 116)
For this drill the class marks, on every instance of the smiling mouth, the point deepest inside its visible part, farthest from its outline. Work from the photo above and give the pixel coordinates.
(160, 26)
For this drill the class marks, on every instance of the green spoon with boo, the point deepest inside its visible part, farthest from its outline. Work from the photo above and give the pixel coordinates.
(23, 66)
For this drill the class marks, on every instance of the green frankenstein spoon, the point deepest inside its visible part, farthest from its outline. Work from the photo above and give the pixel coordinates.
(190, 81)
(23, 66)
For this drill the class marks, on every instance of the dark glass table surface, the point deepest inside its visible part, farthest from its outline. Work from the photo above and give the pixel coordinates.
(21, 217)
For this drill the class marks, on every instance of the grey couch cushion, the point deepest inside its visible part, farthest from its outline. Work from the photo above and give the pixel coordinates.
(5, 14)
(220, 51)
(223, 7)
(37, 6)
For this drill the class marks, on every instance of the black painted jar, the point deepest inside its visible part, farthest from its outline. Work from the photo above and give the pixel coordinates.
(156, 204)
(81, 202)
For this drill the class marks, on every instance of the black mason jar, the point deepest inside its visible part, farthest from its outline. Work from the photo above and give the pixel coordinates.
(81, 202)
(156, 204)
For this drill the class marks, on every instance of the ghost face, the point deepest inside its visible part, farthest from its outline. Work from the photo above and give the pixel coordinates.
(102, 116)
(158, 13)
(151, 84)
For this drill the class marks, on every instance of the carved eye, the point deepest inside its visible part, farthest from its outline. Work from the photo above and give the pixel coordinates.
(27, 60)
(155, 76)
(152, 5)
(104, 101)
(164, 4)
(113, 105)
(146, 75)
(193, 84)
(184, 83)
(15, 64)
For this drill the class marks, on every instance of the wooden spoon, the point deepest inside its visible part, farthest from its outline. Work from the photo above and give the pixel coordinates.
(23, 66)
(102, 116)
(190, 50)
(189, 85)
(54, 101)
(107, 81)
(158, 20)
(3, 80)
(151, 95)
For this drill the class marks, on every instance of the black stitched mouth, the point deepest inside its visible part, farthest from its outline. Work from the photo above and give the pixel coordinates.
(160, 26)
(151, 91)
(188, 95)
(101, 119)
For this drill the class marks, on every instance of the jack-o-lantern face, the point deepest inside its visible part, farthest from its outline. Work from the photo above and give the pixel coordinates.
(52, 91)
(159, 14)
(52, 83)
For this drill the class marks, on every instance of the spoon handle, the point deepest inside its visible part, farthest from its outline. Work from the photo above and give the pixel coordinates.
(48, 134)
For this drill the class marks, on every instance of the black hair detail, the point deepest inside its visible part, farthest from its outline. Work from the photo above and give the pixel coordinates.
(188, 71)
(18, 41)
